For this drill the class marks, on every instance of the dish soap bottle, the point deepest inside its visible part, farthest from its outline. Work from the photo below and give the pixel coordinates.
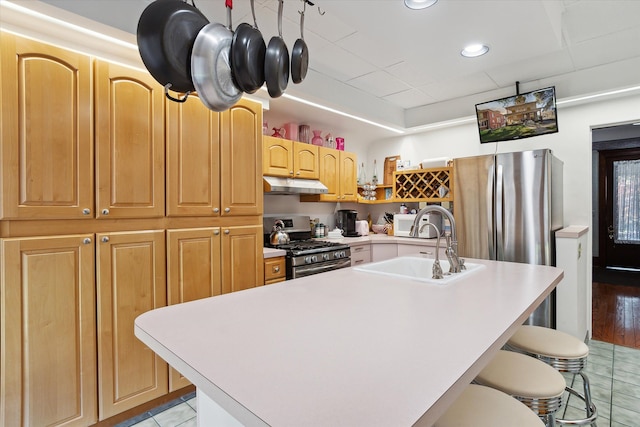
(374, 179)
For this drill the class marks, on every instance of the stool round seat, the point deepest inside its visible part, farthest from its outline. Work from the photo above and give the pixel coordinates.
(529, 380)
(480, 406)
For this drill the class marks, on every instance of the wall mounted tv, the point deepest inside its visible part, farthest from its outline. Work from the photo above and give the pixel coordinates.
(519, 116)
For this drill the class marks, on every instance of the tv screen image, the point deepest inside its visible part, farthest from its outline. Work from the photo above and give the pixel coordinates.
(519, 116)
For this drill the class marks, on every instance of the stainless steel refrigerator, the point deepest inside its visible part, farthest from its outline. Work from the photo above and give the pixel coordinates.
(507, 208)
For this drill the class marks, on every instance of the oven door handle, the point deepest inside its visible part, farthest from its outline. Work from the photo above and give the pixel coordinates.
(325, 266)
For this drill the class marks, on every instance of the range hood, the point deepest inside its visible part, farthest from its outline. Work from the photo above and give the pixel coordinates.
(280, 185)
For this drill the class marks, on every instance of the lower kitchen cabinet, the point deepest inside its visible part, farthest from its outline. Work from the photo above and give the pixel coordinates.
(48, 331)
(242, 258)
(131, 280)
(275, 270)
(427, 251)
(383, 251)
(360, 253)
(193, 272)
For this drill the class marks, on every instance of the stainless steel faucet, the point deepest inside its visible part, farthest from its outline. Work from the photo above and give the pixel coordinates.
(456, 265)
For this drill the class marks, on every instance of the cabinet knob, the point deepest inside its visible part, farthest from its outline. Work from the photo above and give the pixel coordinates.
(290, 172)
(86, 241)
(216, 210)
(276, 269)
(86, 211)
(105, 239)
(227, 210)
(298, 173)
(105, 211)
(216, 232)
(226, 231)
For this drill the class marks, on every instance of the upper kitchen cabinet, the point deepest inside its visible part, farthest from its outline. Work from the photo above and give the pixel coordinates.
(214, 159)
(338, 170)
(241, 159)
(129, 138)
(47, 137)
(290, 159)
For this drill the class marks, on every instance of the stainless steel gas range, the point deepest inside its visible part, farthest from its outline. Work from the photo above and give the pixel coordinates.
(306, 256)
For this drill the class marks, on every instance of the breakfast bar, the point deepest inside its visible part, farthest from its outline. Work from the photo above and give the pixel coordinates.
(346, 347)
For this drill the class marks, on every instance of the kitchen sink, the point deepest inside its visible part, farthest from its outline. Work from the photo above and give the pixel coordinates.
(417, 268)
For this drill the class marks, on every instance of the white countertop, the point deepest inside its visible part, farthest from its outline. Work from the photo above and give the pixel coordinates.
(273, 253)
(346, 348)
(383, 238)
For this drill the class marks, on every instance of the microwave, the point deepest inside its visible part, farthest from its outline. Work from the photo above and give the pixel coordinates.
(402, 225)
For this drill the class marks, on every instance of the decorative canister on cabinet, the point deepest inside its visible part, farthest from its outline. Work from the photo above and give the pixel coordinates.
(317, 138)
(304, 134)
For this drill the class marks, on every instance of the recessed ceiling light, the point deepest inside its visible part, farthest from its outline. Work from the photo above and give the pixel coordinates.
(474, 50)
(419, 4)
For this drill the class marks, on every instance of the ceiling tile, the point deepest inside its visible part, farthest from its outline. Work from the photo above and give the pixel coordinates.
(379, 83)
(410, 98)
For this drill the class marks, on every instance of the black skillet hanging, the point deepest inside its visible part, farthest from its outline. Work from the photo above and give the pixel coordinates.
(247, 56)
(276, 61)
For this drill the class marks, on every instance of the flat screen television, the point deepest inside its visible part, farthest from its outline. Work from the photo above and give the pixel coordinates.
(519, 116)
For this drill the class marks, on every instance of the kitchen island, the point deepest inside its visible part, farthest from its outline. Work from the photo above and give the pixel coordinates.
(346, 347)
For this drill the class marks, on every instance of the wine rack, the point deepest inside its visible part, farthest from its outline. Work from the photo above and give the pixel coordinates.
(424, 185)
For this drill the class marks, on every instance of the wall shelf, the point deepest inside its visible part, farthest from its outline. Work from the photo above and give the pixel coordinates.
(424, 185)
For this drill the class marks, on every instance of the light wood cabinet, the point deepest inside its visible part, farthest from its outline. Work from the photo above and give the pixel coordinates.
(48, 330)
(47, 143)
(129, 133)
(242, 259)
(275, 270)
(193, 272)
(290, 159)
(130, 281)
(338, 171)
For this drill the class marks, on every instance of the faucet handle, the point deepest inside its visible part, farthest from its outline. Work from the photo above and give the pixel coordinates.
(462, 266)
(437, 270)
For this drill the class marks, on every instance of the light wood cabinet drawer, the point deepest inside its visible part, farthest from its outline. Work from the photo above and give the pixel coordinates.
(274, 270)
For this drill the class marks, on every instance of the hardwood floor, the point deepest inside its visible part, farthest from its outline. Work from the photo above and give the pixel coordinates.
(616, 314)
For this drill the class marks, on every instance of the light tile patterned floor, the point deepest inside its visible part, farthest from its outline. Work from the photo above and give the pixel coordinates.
(613, 371)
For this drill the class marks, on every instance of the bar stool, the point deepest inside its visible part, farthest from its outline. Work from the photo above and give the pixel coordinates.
(561, 351)
(530, 381)
(480, 406)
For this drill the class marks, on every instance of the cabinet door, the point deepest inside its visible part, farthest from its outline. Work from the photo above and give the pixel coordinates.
(383, 251)
(46, 114)
(242, 259)
(306, 162)
(47, 325)
(129, 143)
(330, 173)
(274, 270)
(241, 160)
(193, 159)
(360, 254)
(130, 281)
(193, 272)
(277, 157)
(348, 177)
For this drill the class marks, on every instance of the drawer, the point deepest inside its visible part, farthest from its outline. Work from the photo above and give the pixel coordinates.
(274, 270)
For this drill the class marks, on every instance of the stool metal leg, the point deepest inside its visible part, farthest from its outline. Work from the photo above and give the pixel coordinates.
(590, 408)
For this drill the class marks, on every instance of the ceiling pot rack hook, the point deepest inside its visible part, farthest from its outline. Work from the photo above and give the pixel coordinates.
(229, 5)
(304, 5)
(166, 93)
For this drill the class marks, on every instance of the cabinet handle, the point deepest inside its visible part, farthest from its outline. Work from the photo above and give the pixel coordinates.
(105, 239)
(216, 210)
(227, 210)
(105, 211)
(276, 269)
(290, 172)
(359, 248)
(216, 232)
(86, 241)
(226, 231)
(359, 261)
(86, 211)
(298, 173)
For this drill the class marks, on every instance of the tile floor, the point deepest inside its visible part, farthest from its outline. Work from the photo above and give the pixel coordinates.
(613, 371)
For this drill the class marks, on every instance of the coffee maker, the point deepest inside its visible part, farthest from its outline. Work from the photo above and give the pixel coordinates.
(346, 221)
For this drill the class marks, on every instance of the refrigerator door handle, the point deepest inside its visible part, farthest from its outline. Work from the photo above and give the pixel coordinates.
(499, 210)
(492, 209)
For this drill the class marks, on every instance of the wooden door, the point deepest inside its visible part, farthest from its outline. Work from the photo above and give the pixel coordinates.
(242, 259)
(277, 157)
(330, 173)
(193, 272)
(306, 161)
(620, 208)
(241, 160)
(193, 159)
(130, 281)
(47, 139)
(348, 176)
(48, 330)
(129, 143)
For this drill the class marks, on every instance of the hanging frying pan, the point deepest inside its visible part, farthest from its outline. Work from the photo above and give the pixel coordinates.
(165, 34)
(276, 61)
(300, 53)
(247, 56)
(210, 67)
